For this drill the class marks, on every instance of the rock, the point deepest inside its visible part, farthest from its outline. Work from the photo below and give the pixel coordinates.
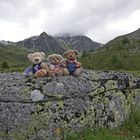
(44, 108)
(36, 95)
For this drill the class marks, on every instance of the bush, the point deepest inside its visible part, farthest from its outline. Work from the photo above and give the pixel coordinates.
(5, 65)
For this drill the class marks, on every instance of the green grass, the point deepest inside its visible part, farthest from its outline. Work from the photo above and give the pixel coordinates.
(134, 72)
(130, 130)
(119, 54)
(15, 56)
(99, 134)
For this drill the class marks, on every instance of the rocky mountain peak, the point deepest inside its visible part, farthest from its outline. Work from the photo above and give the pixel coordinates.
(43, 34)
(59, 44)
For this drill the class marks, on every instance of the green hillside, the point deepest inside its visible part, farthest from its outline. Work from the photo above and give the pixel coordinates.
(121, 53)
(14, 56)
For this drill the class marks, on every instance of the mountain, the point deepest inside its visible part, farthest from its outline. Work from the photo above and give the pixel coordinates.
(43, 42)
(15, 53)
(7, 42)
(81, 43)
(49, 44)
(123, 52)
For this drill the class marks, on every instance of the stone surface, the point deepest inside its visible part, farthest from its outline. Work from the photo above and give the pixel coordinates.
(44, 108)
(36, 95)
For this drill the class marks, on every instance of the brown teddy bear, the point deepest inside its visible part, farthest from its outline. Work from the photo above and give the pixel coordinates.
(55, 64)
(71, 65)
(38, 68)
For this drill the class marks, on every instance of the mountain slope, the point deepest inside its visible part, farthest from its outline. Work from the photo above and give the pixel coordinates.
(15, 53)
(81, 43)
(49, 44)
(133, 35)
(15, 56)
(120, 53)
(44, 43)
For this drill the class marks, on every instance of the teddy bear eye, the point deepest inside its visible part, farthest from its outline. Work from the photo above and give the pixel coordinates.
(57, 58)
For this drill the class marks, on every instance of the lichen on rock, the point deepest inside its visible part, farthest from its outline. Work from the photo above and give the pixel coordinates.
(43, 108)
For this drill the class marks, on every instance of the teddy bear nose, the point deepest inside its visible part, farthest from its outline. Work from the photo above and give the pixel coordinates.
(36, 59)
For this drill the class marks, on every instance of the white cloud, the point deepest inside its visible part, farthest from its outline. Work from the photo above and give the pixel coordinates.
(100, 20)
(116, 28)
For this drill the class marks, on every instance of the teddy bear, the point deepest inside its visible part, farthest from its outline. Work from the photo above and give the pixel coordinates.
(38, 67)
(55, 64)
(71, 66)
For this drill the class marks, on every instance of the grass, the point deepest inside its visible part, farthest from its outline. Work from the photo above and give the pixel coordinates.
(134, 72)
(116, 55)
(99, 134)
(130, 130)
(15, 56)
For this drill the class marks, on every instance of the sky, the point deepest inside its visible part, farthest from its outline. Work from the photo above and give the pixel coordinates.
(100, 20)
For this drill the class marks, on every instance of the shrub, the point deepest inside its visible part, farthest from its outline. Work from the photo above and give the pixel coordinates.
(5, 65)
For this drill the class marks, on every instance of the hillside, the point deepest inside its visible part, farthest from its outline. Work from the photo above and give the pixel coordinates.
(120, 53)
(15, 53)
(15, 56)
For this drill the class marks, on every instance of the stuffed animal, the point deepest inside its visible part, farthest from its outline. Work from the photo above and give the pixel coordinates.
(38, 68)
(71, 65)
(55, 64)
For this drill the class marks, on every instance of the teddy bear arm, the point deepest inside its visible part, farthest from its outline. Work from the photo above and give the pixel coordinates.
(45, 66)
(40, 73)
(78, 64)
(36, 67)
(28, 70)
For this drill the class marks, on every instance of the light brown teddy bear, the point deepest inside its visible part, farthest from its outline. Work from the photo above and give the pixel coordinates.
(55, 64)
(71, 65)
(38, 68)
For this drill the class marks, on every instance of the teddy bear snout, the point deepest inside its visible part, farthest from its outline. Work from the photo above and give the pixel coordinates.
(36, 59)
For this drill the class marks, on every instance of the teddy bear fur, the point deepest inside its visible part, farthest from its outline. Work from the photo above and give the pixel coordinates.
(71, 65)
(38, 68)
(55, 64)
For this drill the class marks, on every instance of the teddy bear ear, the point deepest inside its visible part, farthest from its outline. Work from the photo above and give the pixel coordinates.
(30, 55)
(42, 53)
(64, 54)
(49, 57)
(60, 56)
(76, 52)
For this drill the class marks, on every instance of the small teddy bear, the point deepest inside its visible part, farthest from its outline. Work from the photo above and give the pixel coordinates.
(55, 64)
(71, 65)
(38, 68)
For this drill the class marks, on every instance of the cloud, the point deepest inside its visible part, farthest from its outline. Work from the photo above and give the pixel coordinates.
(97, 19)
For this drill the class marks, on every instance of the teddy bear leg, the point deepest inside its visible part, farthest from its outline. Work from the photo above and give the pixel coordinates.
(65, 71)
(51, 73)
(40, 73)
(77, 72)
(59, 73)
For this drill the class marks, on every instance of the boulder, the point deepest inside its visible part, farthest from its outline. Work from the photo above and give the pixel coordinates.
(44, 108)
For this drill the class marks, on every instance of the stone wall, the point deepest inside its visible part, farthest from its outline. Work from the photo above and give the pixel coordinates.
(44, 108)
